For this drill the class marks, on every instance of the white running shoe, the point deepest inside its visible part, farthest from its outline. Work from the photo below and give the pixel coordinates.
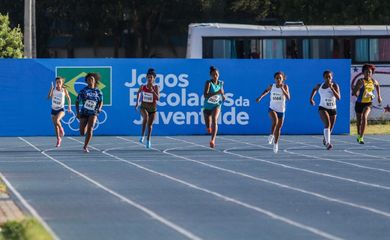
(270, 139)
(276, 148)
(141, 139)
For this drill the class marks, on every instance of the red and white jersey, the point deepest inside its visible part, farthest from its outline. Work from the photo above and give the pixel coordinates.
(147, 94)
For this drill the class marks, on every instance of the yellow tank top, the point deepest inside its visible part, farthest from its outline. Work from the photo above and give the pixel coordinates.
(367, 91)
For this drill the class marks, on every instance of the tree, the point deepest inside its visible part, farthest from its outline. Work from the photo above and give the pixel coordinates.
(11, 39)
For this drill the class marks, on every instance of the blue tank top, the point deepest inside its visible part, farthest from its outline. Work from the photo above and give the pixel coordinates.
(215, 100)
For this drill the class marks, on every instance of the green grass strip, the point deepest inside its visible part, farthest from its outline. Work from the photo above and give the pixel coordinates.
(27, 229)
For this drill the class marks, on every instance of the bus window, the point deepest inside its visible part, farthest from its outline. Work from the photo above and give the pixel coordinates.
(342, 48)
(321, 48)
(294, 48)
(231, 48)
(274, 48)
(361, 50)
(379, 49)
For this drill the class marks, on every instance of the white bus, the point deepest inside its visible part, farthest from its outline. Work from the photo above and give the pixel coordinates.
(360, 43)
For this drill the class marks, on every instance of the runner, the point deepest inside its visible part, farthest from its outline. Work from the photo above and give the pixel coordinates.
(364, 91)
(329, 91)
(57, 95)
(91, 99)
(277, 107)
(214, 96)
(150, 95)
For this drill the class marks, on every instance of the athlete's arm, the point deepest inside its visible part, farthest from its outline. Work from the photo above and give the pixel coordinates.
(266, 91)
(336, 90)
(77, 105)
(100, 102)
(206, 92)
(313, 93)
(50, 94)
(286, 91)
(378, 90)
(356, 89)
(138, 94)
(100, 106)
(156, 92)
(68, 99)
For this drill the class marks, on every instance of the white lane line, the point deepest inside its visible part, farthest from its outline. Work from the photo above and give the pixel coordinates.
(149, 212)
(379, 139)
(303, 169)
(349, 150)
(226, 198)
(32, 211)
(287, 150)
(315, 194)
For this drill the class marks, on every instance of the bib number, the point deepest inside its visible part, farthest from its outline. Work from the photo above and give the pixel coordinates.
(214, 99)
(90, 105)
(369, 95)
(56, 101)
(147, 97)
(277, 97)
(330, 102)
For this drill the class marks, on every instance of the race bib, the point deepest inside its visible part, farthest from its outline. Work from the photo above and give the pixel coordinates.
(147, 97)
(90, 105)
(330, 102)
(56, 101)
(369, 95)
(214, 99)
(277, 97)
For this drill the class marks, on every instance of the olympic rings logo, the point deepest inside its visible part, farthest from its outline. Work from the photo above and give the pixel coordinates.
(74, 123)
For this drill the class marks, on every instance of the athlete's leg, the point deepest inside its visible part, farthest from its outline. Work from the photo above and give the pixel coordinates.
(59, 116)
(207, 120)
(363, 124)
(325, 118)
(278, 129)
(83, 125)
(56, 130)
(145, 118)
(215, 116)
(274, 118)
(91, 123)
(151, 118)
(332, 122)
(358, 122)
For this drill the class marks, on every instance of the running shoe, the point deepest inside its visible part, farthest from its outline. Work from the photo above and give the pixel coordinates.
(276, 148)
(324, 141)
(209, 130)
(329, 146)
(212, 144)
(58, 142)
(270, 139)
(141, 139)
(85, 149)
(148, 144)
(361, 140)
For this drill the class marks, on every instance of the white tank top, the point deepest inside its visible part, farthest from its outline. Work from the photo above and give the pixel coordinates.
(278, 100)
(58, 99)
(328, 100)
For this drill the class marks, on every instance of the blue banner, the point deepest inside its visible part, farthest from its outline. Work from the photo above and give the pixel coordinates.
(25, 83)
